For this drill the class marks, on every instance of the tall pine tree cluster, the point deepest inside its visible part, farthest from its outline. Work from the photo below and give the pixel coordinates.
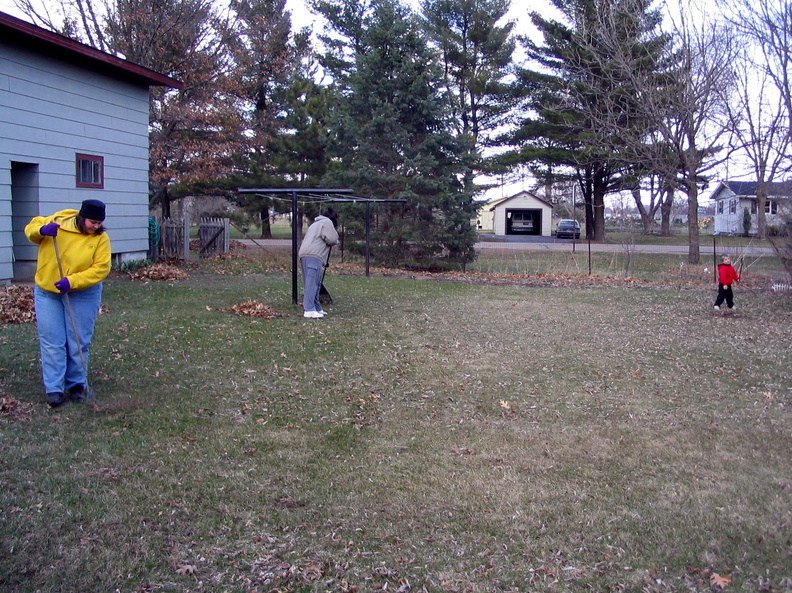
(392, 137)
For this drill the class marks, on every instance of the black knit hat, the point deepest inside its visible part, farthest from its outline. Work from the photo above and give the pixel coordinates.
(93, 210)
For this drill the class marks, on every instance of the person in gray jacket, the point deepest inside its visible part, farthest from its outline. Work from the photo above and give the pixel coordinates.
(314, 251)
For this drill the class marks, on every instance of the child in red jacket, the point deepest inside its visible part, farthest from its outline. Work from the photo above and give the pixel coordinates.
(727, 275)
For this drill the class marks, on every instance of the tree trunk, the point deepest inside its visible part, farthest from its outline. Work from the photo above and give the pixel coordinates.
(266, 229)
(646, 215)
(165, 202)
(598, 203)
(665, 212)
(761, 204)
(694, 254)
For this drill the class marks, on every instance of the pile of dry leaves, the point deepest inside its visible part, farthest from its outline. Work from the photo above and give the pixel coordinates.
(234, 245)
(160, 271)
(253, 308)
(14, 409)
(16, 304)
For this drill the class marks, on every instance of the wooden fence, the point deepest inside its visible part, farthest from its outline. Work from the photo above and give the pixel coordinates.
(215, 236)
(174, 238)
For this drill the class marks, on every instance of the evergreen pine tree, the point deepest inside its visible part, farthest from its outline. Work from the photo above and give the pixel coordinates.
(393, 139)
(476, 48)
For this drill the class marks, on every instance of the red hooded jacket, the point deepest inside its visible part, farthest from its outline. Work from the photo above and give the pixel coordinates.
(727, 274)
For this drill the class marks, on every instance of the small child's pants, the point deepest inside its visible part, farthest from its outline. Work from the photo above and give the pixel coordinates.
(725, 293)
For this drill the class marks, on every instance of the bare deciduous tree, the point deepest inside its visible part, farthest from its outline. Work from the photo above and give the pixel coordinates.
(761, 126)
(695, 127)
(769, 24)
(762, 114)
(681, 106)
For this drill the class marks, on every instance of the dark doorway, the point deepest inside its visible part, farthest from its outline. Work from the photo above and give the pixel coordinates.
(24, 206)
(523, 222)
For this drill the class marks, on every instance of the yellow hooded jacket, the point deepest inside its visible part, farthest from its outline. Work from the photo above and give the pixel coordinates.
(85, 258)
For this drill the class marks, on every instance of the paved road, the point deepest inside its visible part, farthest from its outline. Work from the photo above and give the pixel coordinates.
(518, 243)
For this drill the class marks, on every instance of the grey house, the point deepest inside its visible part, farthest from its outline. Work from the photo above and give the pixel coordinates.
(734, 198)
(73, 126)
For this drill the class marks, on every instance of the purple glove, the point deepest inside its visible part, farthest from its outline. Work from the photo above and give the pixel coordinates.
(63, 284)
(50, 230)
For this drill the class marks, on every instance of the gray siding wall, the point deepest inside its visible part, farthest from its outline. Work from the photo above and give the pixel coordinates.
(50, 110)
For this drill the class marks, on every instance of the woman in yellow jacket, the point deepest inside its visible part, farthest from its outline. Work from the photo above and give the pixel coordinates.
(84, 250)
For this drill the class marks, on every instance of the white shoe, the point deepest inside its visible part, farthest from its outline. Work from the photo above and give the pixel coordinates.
(313, 315)
(322, 312)
(716, 307)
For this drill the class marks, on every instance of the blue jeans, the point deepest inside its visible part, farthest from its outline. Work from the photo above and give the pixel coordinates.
(312, 268)
(62, 366)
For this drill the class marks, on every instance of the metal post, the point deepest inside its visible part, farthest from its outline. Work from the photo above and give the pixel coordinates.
(368, 228)
(589, 254)
(294, 247)
(186, 239)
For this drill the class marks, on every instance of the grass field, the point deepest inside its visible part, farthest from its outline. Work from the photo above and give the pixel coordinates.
(426, 436)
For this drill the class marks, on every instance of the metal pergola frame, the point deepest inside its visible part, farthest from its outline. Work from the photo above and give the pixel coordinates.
(324, 196)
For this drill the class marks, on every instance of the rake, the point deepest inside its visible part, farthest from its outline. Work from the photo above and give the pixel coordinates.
(324, 295)
(89, 394)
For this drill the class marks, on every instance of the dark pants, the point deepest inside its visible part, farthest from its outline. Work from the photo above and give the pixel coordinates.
(725, 293)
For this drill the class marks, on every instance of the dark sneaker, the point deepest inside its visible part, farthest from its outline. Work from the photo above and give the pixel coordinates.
(77, 393)
(55, 398)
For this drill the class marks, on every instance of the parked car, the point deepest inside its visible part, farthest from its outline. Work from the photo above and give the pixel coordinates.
(568, 228)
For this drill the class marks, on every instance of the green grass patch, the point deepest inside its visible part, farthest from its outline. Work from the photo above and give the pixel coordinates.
(428, 436)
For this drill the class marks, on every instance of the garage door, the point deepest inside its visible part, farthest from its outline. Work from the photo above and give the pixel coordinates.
(524, 222)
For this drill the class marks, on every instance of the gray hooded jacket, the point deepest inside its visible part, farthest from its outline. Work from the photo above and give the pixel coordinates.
(319, 238)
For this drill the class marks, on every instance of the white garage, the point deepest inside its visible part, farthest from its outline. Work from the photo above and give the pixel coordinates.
(523, 214)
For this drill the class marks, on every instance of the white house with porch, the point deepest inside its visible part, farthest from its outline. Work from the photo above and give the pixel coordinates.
(74, 124)
(733, 199)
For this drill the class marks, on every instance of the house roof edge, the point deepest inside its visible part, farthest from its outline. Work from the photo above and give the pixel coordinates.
(49, 42)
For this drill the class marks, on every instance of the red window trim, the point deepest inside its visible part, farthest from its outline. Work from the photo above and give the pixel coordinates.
(94, 159)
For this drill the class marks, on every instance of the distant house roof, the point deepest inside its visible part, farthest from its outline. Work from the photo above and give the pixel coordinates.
(747, 189)
(499, 202)
(492, 203)
(24, 34)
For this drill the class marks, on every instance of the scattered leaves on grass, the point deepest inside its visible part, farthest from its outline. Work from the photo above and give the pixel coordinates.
(253, 308)
(185, 569)
(463, 451)
(719, 581)
(16, 304)
(227, 256)
(671, 279)
(159, 272)
(233, 244)
(14, 409)
(236, 264)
